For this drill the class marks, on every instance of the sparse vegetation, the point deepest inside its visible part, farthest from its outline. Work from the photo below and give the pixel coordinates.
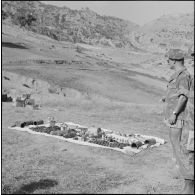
(4, 15)
(24, 17)
(82, 26)
(171, 31)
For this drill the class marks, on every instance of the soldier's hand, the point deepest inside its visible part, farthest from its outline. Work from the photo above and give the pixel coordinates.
(172, 119)
(162, 99)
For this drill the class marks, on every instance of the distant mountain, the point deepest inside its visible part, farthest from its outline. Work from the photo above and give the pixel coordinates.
(168, 31)
(62, 23)
(86, 26)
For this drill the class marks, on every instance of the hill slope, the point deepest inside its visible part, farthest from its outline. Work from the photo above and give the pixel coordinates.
(167, 32)
(62, 23)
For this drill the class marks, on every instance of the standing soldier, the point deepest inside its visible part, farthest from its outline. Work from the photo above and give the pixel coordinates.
(175, 104)
(187, 146)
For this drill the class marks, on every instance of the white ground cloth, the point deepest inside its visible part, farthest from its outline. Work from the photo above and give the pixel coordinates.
(128, 150)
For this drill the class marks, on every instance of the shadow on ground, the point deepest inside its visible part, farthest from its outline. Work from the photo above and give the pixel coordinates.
(31, 187)
(13, 45)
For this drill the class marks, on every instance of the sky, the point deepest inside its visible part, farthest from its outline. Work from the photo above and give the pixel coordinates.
(139, 12)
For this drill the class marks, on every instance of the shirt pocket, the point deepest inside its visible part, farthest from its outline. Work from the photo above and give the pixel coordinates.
(171, 84)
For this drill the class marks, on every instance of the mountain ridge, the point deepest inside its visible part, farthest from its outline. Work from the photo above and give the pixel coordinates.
(87, 26)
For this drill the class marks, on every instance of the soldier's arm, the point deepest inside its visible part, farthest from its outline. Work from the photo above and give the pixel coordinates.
(183, 93)
(180, 105)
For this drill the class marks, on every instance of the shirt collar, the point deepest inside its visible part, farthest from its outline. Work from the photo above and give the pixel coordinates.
(176, 74)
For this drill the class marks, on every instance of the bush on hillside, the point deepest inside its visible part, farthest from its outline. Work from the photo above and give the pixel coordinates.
(24, 17)
(4, 15)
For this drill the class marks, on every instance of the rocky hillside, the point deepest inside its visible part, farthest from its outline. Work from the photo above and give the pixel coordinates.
(86, 26)
(62, 23)
(167, 32)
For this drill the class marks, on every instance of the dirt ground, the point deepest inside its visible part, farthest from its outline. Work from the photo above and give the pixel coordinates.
(118, 90)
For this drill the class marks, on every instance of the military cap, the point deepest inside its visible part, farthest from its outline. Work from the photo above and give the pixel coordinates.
(176, 54)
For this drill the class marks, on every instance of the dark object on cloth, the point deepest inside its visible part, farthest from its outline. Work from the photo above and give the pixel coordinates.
(38, 122)
(29, 102)
(58, 132)
(71, 133)
(44, 129)
(27, 123)
(151, 141)
(136, 144)
(52, 123)
(22, 125)
(108, 143)
(84, 137)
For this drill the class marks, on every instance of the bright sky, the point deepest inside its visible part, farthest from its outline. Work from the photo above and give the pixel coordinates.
(139, 12)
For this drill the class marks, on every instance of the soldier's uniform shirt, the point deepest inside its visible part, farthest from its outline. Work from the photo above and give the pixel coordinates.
(180, 81)
(189, 121)
(187, 141)
(190, 107)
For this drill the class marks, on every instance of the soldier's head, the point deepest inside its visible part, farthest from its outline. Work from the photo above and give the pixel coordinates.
(175, 58)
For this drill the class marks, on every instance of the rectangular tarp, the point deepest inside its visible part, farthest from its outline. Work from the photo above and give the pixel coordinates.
(127, 150)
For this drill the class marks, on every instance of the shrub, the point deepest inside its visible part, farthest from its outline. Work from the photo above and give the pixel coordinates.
(24, 17)
(4, 15)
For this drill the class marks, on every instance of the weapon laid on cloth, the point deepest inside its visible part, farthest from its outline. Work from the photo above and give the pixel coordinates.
(27, 123)
(151, 141)
(136, 144)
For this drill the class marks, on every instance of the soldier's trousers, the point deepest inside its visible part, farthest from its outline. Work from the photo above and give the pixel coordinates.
(183, 157)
